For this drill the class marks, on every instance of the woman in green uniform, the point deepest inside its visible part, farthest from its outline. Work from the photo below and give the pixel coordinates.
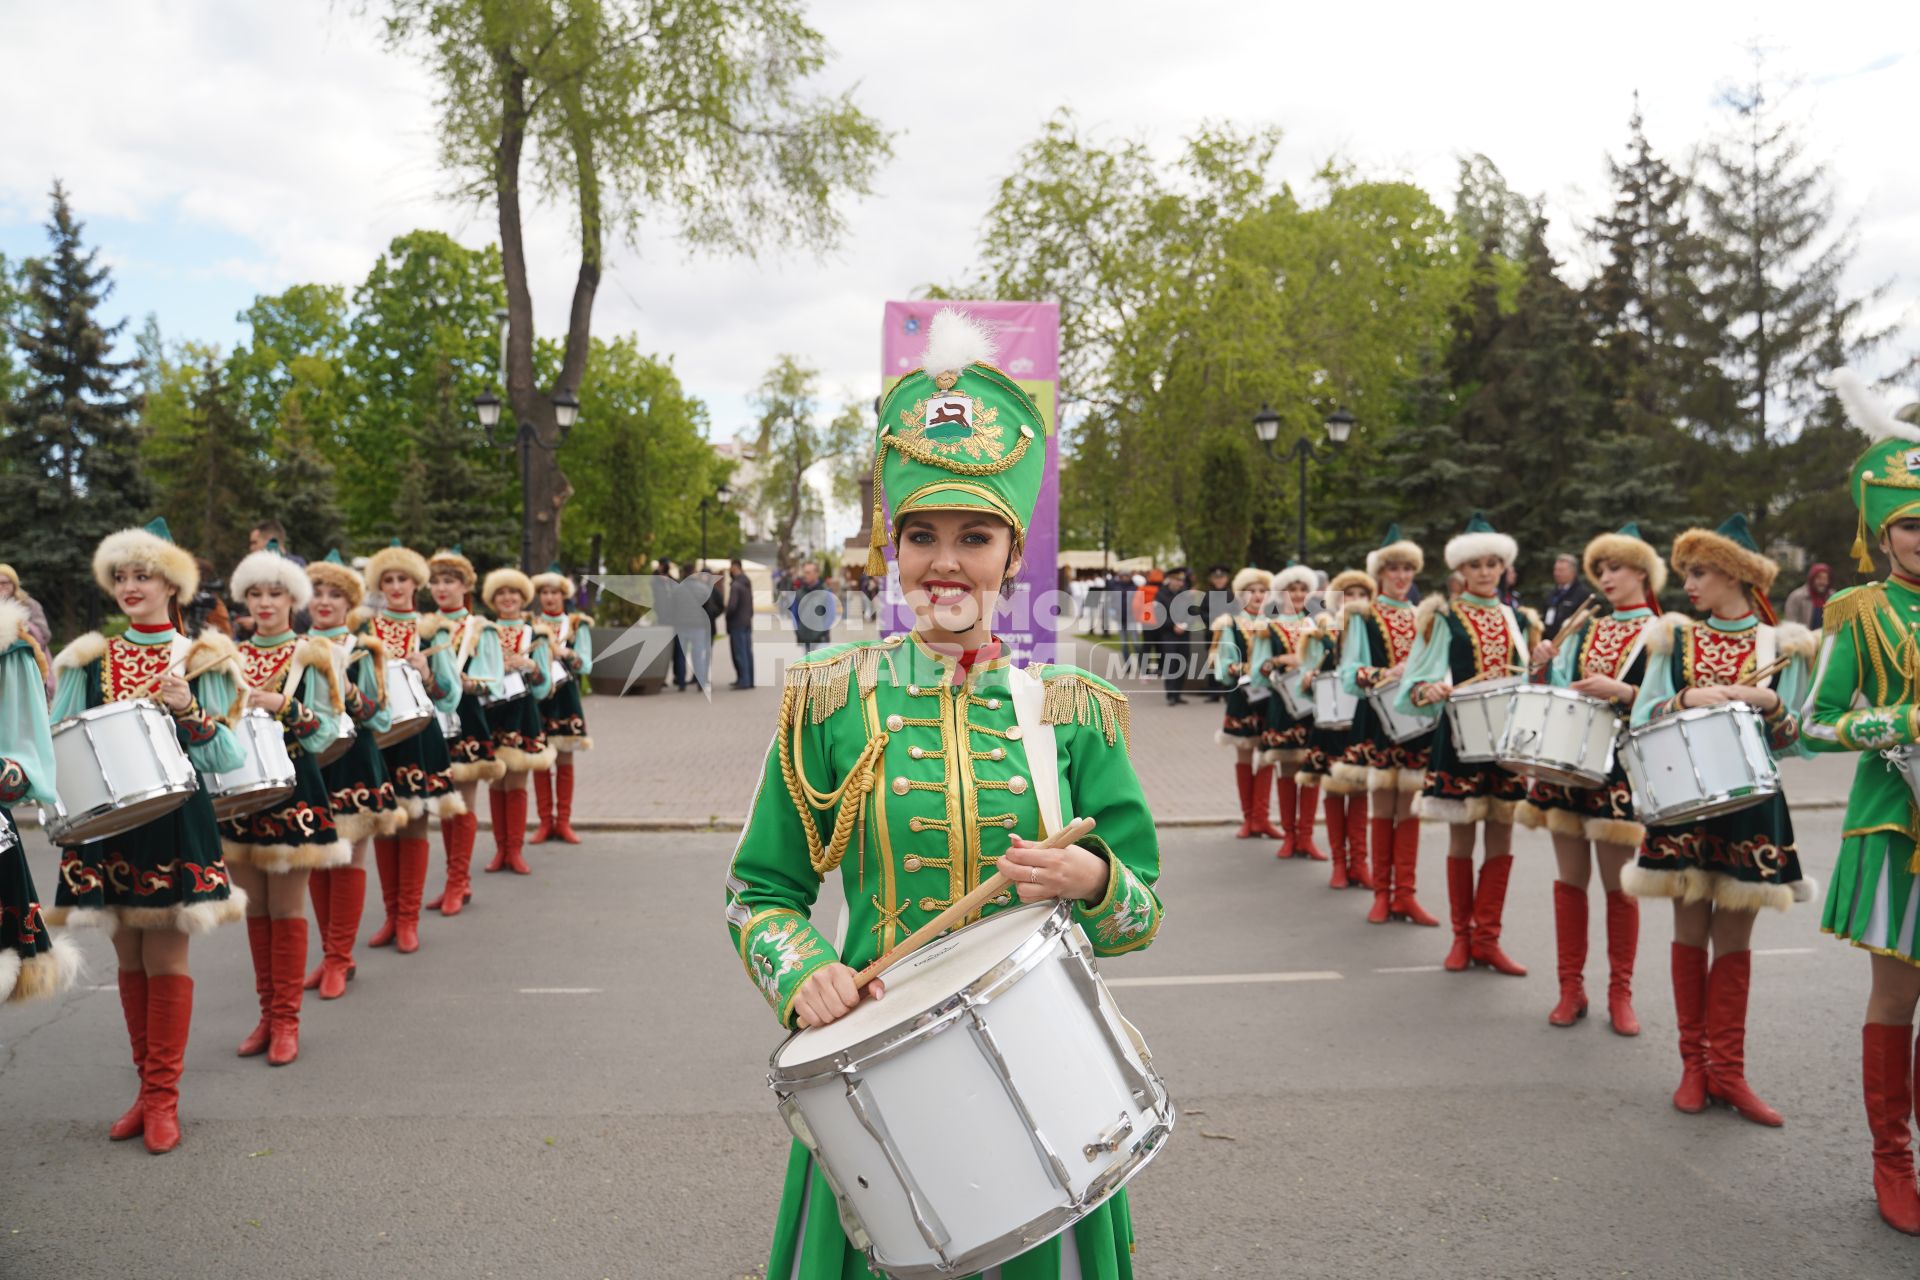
(902, 765)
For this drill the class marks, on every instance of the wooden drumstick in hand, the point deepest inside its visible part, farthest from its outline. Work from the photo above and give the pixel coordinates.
(996, 884)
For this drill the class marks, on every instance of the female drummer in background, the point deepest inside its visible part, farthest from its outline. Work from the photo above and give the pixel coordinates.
(1242, 643)
(474, 654)
(1605, 658)
(563, 713)
(419, 765)
(1721, 871)
(1473, 637)
(1351, 592)
(1284, 745)
(903, 764)
(160, 883)
(358, 788)
(32, 964)
(1374, 652)
(519, 733)
(272, 849)
(1866, 698)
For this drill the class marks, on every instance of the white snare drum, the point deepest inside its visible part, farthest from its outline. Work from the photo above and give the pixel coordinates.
(1477, 715)
(1401, 726)
(267, 776)
(989, 1102)
(1557, 735)
(116, 767)
(1333, 706)
(1698, 764)
(557, 675)
(449, 722)
(1298, 700)
(408, 708)
(512, 686)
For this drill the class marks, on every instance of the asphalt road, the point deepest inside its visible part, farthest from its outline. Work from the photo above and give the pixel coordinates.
(568, 1080)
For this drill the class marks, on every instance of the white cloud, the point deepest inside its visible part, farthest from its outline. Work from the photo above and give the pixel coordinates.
(288, 128)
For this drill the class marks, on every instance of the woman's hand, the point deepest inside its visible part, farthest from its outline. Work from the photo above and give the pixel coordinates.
(1708, 696)
(418, 661)
(1604, 687)
(1236, 668)
(1394, 672)
(1287, 660)
(175, 694)
(1039, 873)
(1428, 694)
(266, 700)
(517, 663)
(829, 993)
(1544, 652)
(1765, 701)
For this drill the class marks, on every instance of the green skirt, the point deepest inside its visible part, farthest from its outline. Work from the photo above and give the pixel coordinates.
(1874, 900)
(1104, 1237)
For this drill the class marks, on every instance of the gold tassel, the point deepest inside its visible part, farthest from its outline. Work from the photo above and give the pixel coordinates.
(876, 542)
(1862, 556)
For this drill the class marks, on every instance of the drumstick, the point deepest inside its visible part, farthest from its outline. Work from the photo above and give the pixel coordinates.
(1510, 670)
(190, 677)
(1578, 616)
(992, 887)
(1771, 669)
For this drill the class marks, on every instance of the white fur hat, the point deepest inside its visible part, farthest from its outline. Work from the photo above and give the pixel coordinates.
(1480, 539)
(271, 567)
(1295, 573)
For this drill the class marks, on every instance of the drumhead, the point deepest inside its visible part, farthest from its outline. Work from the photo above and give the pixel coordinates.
(925, 978)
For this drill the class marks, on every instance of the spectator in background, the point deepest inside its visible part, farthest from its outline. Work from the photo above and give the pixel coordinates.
(813, 608)
(1217, 598)
(700, 585)
(1570, 591)
(1167, 632)
(1807, 603)
(664, 571)
(1510, 587)
(10, 589)
(207, 609)
(739, 610)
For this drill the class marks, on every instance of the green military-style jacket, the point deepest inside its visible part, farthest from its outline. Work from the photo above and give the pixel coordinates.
(1866, 697)
(881, 768)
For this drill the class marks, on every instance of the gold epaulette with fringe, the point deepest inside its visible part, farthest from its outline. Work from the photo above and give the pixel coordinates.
(1073, 697)
(1849, 606)
(822, 685)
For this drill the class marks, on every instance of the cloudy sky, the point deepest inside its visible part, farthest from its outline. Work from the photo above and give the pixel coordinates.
(223, 148)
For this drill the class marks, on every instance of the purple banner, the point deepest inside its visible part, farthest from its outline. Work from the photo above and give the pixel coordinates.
(1029, 338)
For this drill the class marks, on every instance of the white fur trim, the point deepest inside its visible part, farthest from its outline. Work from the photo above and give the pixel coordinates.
(9, 973)
(90, 647)
(270, 568)
(1293, 573)
(13, 623)
(956, 340)
(139, 548)
(478, 770)
(47, 974)
(1379, 556)
(1471, 546)
(518, 761)
(1455, 813)
(1792, 640)
(1665, 632)
(1867, 411)
(570, 743)
(450, 805)
(278, 859)
(1431, 607)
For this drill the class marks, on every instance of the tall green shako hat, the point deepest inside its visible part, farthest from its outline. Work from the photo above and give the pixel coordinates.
(1886, 478)
(956, 434)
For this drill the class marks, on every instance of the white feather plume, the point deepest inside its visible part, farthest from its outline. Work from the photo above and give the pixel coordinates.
(1868, 412)
(956, 340)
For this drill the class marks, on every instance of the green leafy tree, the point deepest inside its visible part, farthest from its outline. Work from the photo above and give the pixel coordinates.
(207, 462)
(1432, 473)
(69, 469)
(625, 111)
(789, 442)
(1220, 530)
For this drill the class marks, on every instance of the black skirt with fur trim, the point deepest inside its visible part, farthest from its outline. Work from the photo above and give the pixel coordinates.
(1451, 778)
(1742, 861)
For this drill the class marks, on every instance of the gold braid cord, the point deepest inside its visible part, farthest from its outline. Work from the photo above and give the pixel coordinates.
(1071, 699)
(803, 687)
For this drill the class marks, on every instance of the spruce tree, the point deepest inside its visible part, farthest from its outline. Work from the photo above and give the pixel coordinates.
(69, 472)
(206, 460)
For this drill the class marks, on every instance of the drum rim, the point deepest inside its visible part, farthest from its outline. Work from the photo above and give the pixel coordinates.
(1763, 789)
(63, 826)
(1520, 762)
(259, 793)
(1692, 714)
(937, 1017)
(402, 731)
(1484, 689)
(1672, 814)
(105, 709)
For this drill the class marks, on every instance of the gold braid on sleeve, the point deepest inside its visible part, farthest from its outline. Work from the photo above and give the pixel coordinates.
(850, 796)
(1072, 700)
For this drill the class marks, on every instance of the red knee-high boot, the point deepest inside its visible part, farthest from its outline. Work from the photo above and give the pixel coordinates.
(1305, 813)
(1623, 944)
(348, 886)
(1286, 810)
(260, 943)
(133, 1006)
(169, 1018)
(1356, 829)
(414, 857)
(1728, 982)
(1243, 780)
(1570, 938)
(517, 831)
(1690, 1011)
(543, 801)
(497, 808)
(1460, 908)
(1887, 1068)
(459, 864)
(320, 890)
(1337, 839)
(1261, 796)
(386, 861)
(1380, 837)
(1406, 874)
(563, 798)
(289, 958)
(1489, 908)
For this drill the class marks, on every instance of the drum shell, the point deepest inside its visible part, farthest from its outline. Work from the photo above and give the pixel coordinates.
(118, 767)
(513, 687)
(408, 707)
(1400, 726)
(1034, 1065)
(1697, 764)
(1557, 735)
(267, 776)
(557, 675)
(1333, 706)
(345, 732)
(1477, 716)
(1298, 701)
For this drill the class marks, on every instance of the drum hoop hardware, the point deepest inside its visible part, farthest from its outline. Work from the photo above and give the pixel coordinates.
(1109, 1141)
(984, 1038)
(932, 1230)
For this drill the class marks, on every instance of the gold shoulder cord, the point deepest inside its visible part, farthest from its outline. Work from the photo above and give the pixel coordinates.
(851, 795)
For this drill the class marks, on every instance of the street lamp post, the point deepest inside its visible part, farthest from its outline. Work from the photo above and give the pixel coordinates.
(1266, 425)
(719, 497)
(566, 411)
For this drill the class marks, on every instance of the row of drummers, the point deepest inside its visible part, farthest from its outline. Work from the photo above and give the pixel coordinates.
(191, 782)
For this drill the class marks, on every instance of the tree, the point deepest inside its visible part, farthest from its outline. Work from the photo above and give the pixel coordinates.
(1220, 529)
(69, 472)
(788, 444)
(14, 315)
(208, 464)
(292, 382)
(625, 110)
